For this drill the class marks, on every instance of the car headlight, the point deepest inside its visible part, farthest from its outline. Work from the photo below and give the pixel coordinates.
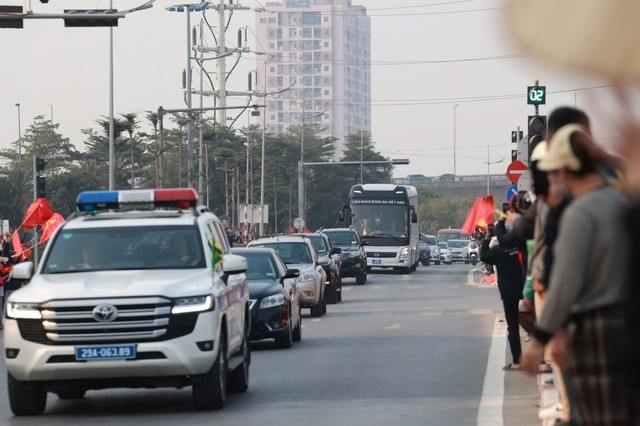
(354, 254)
(307, 276)
(404, 252)
(272, 301)
(192, 304)
(23, 310)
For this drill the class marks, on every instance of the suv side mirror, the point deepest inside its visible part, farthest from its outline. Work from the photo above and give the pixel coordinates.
(336, 250)
(414, 217)
(364, 242)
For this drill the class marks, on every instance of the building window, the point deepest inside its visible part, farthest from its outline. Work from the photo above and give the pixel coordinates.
(310, 18)
(306, 32)
(326, 44)
(326, 93)
(272, 20)
(263, 20)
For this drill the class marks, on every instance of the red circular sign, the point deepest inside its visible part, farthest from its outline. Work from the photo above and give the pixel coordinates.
(515, 170)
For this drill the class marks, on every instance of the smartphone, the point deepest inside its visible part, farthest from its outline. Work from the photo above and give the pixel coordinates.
(505, 207)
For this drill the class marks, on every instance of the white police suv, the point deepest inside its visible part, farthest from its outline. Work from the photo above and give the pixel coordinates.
(136, 289)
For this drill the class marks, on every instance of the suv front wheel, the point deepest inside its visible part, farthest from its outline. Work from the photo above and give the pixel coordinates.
(210, 393)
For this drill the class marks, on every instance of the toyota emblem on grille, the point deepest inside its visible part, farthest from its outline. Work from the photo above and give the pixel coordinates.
(105, 313)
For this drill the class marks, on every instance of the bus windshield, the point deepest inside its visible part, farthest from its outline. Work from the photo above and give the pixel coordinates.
(452, 234)
(382, 220)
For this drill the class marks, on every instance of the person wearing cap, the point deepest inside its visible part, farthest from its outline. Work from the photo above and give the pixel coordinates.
(587, 289)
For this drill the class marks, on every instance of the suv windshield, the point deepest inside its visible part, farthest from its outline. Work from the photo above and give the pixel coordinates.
(122, 248)
(318, 244)
(432, 241)
(343, 238)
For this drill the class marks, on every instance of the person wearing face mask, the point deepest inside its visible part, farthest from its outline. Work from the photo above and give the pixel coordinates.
(586, 291)
(552, 201)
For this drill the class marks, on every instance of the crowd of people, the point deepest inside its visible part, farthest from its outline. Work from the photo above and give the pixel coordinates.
(565, 257)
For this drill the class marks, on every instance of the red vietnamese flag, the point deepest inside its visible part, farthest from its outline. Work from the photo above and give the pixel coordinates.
(18, 248)
(51, 225)
(38, 213)
(481, 214)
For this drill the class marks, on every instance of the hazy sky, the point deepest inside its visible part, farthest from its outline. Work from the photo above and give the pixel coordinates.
(427, 57)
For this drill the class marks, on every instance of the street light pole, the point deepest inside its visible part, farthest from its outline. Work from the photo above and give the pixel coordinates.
(112, 148)
(361, 148)
(246, 194)
(454, 139)
(300, 169)
(264, 125)
(488, 164)
(189, 119)
(19, 134)
(201, 130)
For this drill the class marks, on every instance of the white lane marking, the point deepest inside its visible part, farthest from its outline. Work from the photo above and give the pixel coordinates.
(470, 279)
(490, 409)
(412, 287)
(427, 313)
(394, 327)
(481, 311)
(315, 320)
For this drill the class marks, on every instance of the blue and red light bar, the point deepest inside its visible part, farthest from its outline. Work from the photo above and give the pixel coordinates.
(180, 198)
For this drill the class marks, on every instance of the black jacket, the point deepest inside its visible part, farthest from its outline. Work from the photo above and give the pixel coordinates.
(509, 268)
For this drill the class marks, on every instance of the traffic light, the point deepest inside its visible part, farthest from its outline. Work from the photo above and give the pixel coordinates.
(102, 21)
(40, 164)
(537, 131)
(40, 189)
(12, 19)
(516, 135)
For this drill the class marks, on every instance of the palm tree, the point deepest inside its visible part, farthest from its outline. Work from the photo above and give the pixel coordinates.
(130, 124)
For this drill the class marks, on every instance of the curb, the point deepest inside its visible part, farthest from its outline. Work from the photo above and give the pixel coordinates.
(548, 394)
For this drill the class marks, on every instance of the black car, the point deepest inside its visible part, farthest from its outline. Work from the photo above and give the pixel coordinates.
(353, 257)
(330, 261)
(275, 300)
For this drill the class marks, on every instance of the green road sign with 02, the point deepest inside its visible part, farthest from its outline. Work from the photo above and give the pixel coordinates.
(536, 95)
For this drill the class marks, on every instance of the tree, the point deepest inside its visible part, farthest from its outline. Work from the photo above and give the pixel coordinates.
(41, 139)
(438, 212)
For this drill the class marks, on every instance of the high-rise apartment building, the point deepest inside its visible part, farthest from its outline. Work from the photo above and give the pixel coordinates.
(321, 51)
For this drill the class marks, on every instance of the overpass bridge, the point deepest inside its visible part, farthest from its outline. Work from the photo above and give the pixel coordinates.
(460, 186)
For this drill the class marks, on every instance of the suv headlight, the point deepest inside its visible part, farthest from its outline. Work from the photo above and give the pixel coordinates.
(19, 310)
(185, 305)
(307, 276)
(404, 252)
(272, 301)
(354, 254)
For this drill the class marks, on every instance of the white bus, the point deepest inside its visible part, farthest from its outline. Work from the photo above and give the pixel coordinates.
(386, 219)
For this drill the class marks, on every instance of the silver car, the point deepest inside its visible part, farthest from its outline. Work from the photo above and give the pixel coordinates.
(445, 253)
(459, 250)
(297, 252)
(432, 240)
